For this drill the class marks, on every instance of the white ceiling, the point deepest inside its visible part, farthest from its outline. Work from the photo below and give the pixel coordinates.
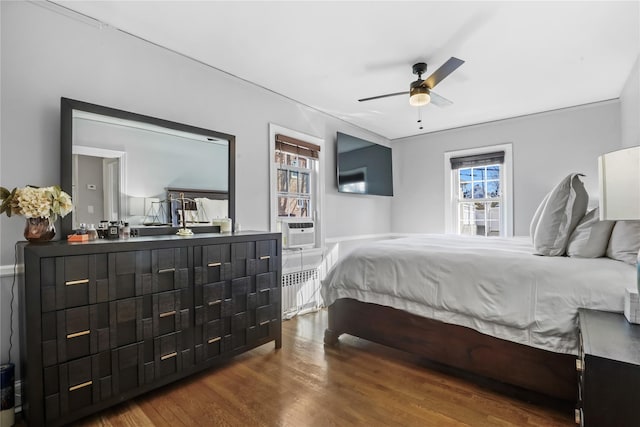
(521, 57)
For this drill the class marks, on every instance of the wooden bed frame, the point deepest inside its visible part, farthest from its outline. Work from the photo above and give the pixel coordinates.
(541, 371)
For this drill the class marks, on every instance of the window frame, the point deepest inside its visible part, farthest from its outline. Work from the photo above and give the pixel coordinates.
(451, 212)
(316, 183)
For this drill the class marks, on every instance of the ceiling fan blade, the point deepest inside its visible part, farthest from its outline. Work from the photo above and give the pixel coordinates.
(440, 101)
(383, 96)
(447, 68)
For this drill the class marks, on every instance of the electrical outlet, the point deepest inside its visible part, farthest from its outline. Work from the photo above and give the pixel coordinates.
(90, 209)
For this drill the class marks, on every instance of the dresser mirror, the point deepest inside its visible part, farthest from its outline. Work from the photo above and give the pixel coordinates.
(119, 165)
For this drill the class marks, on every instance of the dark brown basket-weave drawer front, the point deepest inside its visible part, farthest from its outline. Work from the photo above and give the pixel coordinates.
(170, 269)
(129, 274)
(168, 354)
(213, 293)
(243, 259)
(130, 320)
(75, 332)
(267, 257)
(76, 384)
(263, 331)
(170, 312)
(215, 264)
(73, 281)
(128, 366)
(265, 314)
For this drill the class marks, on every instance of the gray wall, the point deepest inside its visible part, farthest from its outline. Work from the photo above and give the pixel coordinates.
(546, 148)
(630, 108)
(47, 54)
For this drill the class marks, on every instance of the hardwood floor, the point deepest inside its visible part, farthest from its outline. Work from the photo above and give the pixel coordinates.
(305, 384)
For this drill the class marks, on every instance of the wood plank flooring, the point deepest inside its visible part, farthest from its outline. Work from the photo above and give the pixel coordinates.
(305, 384)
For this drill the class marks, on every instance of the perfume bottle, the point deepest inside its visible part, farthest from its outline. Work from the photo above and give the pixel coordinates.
(92, 232)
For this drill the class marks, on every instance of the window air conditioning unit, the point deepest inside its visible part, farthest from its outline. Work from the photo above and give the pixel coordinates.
(298, 233)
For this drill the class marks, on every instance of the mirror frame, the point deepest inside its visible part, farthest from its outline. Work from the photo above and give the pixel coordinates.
(67, 106)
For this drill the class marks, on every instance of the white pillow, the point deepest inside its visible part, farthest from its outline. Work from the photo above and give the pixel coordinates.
(565, 207)
(536, 216)
(625, 241)
(591, 236)
(211, 209)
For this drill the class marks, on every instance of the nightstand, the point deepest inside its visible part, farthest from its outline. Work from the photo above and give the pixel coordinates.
(609, 370)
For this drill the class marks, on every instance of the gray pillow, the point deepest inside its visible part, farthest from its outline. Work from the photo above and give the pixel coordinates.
(565, 207)
(591, 236)
(625, 241)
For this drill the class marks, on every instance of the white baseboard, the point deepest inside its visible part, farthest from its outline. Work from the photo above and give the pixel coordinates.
(18, 393)
(360, 237)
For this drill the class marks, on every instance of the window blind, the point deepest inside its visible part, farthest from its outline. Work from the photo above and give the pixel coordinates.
(296, 146)
(483, 159)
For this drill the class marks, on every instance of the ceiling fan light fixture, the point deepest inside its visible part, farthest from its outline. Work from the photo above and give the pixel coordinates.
(419, 96)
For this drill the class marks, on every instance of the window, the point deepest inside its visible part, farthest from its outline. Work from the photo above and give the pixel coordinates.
(296, 187)
(479, 200)
(479, 203)
(295, 173)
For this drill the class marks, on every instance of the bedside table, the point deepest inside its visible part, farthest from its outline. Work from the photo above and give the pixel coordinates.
(609, 370)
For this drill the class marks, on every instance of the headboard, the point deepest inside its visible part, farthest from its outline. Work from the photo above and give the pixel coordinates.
(192, 194)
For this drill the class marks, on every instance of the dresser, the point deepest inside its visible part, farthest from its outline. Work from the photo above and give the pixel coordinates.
(609, 370)
(105, 321)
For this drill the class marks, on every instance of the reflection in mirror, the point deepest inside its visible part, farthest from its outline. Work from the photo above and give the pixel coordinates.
(119, 165)
(98, 183)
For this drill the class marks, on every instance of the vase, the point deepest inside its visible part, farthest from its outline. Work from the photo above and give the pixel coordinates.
(39, 230)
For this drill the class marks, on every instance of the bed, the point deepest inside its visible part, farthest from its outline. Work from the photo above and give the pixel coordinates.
(486, 305)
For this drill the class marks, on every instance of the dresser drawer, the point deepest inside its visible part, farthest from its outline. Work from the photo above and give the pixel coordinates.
(168, 354)
(128, 366)
(169, 269)
(130, 320)
(267, 258)
(213, 264)
(75, 332)
(212, 294)
(73, 385)
(73, 281)
(129, 274)
(212, 344)
(168, 312)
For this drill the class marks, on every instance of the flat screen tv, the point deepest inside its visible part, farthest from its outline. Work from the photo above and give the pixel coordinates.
(364, 167)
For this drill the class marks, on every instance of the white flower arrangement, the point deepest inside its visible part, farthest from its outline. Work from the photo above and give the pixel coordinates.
(36, 202)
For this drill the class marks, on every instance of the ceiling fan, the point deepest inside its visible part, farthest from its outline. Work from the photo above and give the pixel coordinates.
(420, 90)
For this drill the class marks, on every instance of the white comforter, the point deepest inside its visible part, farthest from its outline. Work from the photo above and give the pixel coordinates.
(493, 285)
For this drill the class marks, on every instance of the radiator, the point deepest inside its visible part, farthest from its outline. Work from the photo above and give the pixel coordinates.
(300, 292)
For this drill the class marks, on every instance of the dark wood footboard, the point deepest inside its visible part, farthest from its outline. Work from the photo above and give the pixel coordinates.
(549, 373)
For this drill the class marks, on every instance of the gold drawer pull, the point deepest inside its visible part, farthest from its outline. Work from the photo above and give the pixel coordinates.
(168, 313)
(579, 365)
(218, 301)
(214, 264)
(166, 270)
(169, 356)
(79, 386)
(265, 257)
(78, 334)
(212, 340)
(264, 323)
(76, 282)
